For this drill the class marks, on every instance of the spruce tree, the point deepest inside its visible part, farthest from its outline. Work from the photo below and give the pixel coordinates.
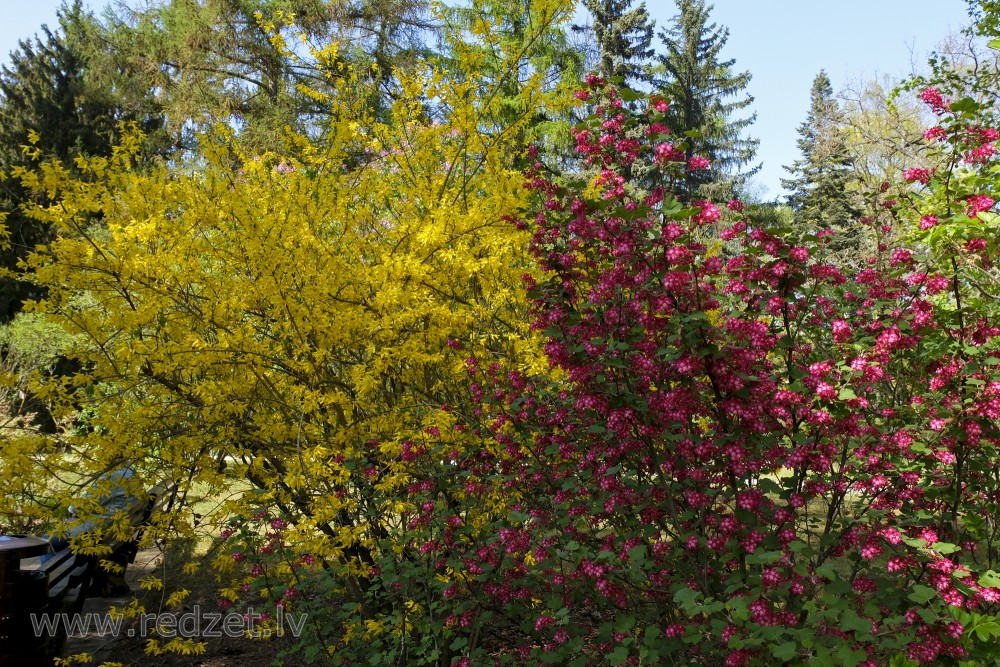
(45, 89)
(705, 94)
(818, 190)
(624, 37)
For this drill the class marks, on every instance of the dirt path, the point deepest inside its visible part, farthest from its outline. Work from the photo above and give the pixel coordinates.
(127, 646)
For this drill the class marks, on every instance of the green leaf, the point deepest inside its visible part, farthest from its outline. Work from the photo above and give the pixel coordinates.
(785, 651)
(987, 630)
(624, 623)
(822, 659)
(965, 105)
(990, 579)
(851, 621)
(686, 595)
(994, 44)
(847, 394)
(945, 548)
(763, 557)
(637, 554)
(922, 594)
(619, 656)
(768, 485)
(848, 657)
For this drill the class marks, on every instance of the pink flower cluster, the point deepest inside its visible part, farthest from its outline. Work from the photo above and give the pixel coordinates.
(921, 175)
(935, 100)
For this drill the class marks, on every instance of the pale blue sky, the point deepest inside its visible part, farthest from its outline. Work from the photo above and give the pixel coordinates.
(784, 43)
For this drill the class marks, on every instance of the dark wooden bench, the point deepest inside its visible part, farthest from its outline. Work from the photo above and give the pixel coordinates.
(73, 577)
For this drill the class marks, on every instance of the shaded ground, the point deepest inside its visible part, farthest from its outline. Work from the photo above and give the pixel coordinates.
(130, 650)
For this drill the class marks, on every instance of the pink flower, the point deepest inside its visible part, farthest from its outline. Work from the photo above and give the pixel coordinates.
(708, 213)
(660, 104)
(674, 631)
(543, 622)
(987, 134)
(900, 256)
(870, 550)
(896, 564)
(922, 175)
(928, 535)
(979, 204)
(937, 284)
(891, 535)
(697, 162)
(667, 153)
(826, 392)
(841, 331)
(933, 98)
(928, 221)
(935, 134)
(981, 154)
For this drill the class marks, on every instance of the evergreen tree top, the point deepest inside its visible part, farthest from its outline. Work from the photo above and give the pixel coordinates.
(819, 187)
(624, 36)
(707, 93)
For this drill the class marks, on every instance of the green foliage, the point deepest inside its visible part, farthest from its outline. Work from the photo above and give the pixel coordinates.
(883, 132)
(31, 343)
(819, 188)
(701, 87)
(210, 61)
(46, 92)
(522, 42)
(233, 61)
(624, 37)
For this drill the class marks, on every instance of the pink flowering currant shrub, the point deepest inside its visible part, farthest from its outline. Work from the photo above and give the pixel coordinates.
(747, 458)
(742, 456)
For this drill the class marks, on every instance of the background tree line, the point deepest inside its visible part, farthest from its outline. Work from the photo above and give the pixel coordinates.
(177, 68)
